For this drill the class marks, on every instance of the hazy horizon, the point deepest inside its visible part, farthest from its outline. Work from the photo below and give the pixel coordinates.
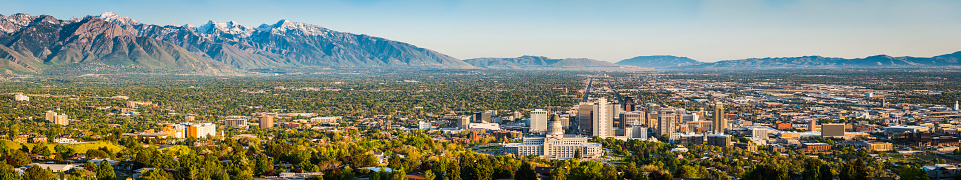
(611, 31)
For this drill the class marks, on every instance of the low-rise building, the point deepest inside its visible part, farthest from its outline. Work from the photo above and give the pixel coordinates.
(941, 171)
(21, 97)
(720, 140)
(56, 168)
(817, 147)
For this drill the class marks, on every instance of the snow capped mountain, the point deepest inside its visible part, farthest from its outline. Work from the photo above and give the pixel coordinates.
(118, 19)
(286, 44)
(15, 22)
(284, 26)
(229, 28)
(44, 44)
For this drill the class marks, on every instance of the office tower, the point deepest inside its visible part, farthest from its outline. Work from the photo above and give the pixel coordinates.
(759, 133)
(701, 114)
(199, 130)
(812, 125)
(483, 117)
(631, 119)
(602, 121)
(955, 105)
(266, 121)
(585, 115)
(638, 132)
(832, 130)
(51, 116)
(538, 120)
(720, 123)
(565, 120)
(666, 119)
(463, 122)
(616, 109)
(236, 123)
(690, 118)
(423, 125)
(652, 108)
(629, 104)
(61, 120)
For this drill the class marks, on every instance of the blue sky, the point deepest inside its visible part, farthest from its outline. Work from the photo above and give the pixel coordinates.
(609, 30)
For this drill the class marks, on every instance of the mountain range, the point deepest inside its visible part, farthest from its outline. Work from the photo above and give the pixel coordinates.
(111, 43)
(803, 62)
(542, 63)
(659, 61)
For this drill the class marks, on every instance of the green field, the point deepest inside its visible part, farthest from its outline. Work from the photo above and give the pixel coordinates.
(79, 148)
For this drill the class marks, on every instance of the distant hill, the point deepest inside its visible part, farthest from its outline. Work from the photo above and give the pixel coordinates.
(659, 61)
(819, 62)
(543, 63)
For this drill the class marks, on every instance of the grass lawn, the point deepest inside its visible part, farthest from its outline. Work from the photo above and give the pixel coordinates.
(79, 148)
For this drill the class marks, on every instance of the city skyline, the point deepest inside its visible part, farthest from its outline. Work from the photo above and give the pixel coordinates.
(610, 31)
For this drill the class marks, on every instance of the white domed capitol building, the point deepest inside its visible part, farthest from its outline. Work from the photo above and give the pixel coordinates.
(555, 144)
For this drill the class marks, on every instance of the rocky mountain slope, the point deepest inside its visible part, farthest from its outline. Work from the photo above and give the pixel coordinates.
(110, 43)
(287, 44)
(34, 44)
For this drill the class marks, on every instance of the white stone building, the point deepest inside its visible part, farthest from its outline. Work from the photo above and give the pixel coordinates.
(555, 144)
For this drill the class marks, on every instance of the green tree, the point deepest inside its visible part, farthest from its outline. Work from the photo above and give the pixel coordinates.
(812, 169)
(686, 171)
(559, 173)
(854, 170)
(7, 172)
(525, 172)
(105, 171)
(19, 159)
(767, 171)
(660, 175)
(399, 175)
(347, 174)
(587, 170)
(263, 165)
(429, 175)
(826, 173)
(142, 159)
(911, 173)
(34, 172)
(156, 174)
(630, 171)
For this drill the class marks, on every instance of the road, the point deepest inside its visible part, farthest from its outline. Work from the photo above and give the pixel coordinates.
(587, 92)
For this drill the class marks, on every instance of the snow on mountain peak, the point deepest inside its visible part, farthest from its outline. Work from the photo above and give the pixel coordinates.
(118, 19)
(229, 27)
(284, 25)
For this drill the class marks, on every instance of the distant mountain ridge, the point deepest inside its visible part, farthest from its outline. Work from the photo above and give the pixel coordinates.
(542, 63)
(819, 62)
(803, 62)
(659, 61)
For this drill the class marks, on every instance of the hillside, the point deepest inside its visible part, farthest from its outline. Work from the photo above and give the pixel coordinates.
(659, 61)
